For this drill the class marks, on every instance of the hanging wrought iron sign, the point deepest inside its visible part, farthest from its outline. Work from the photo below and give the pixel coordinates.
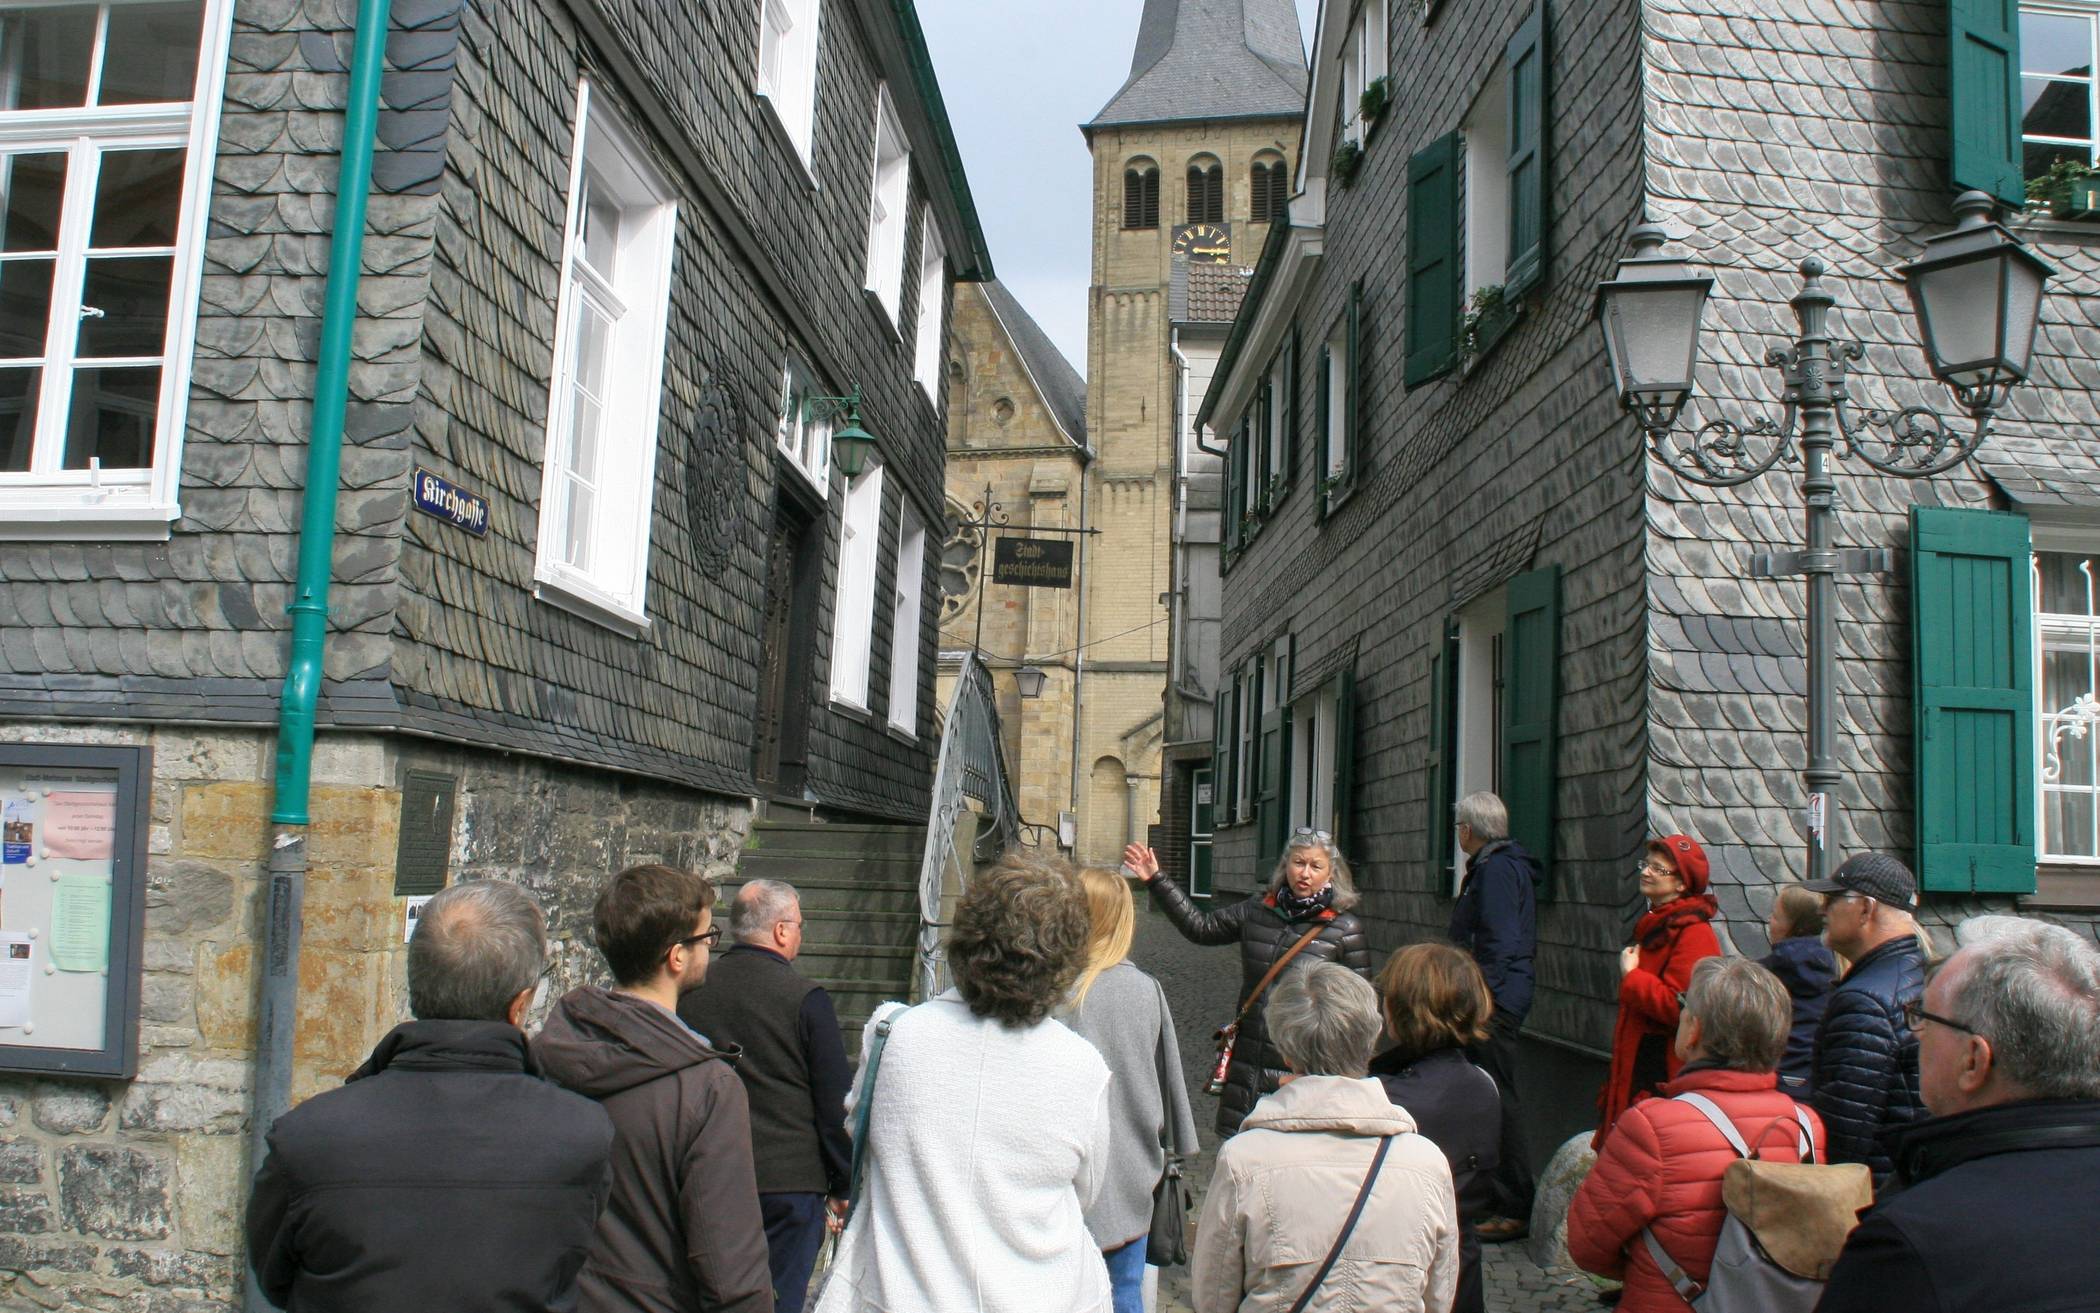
(1032, 562)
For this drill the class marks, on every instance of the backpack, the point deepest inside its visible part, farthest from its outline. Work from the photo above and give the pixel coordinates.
(1785, 1224)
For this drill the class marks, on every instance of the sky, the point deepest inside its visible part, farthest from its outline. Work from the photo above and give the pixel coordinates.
(1019, 77)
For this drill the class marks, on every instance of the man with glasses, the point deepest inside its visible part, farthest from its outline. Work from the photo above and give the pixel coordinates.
(1866, 1057)
(1995, 1206)
(682, 1230)
(794, 1069)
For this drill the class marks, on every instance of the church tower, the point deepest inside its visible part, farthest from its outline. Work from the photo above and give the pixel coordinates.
(1192, 158)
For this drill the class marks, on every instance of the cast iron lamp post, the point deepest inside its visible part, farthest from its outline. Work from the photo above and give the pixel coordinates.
(1977, 294)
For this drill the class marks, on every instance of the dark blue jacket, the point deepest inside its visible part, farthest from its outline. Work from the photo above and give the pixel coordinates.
(1866, 1059)
(1496, 916)
(1808, 969)
(1989, 1209)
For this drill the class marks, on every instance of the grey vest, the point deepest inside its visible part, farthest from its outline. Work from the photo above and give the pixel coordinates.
(754, 1000)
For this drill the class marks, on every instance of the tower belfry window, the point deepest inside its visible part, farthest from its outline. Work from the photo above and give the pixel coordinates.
(1206, 192)
(1141, 195)
(1269, 189)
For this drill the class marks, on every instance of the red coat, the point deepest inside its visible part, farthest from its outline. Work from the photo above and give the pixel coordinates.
(1672, 938)
(1662, 1169)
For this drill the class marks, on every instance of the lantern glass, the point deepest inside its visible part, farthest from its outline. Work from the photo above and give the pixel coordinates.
(1651, 331)
(850, 447)
(1029, 681)
(1977, 293)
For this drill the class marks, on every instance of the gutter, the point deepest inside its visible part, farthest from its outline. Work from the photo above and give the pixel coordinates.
(278, 1002)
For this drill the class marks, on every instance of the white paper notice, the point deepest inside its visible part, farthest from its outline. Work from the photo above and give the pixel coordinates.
(16, 951)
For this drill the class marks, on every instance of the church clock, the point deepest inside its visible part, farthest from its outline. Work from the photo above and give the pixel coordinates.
(1204, 243)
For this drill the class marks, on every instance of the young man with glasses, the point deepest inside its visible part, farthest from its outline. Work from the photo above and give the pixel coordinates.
(682, 1230)
(1866, 1056)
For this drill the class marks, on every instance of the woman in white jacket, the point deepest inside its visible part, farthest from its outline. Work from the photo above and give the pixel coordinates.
(988, 1131)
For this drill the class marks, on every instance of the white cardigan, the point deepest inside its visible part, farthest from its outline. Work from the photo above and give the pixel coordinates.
(986, 1145)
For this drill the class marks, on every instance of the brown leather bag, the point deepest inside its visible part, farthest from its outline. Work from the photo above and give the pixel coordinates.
(1228, 1035)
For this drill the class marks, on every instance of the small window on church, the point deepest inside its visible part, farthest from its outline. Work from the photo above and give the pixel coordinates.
(1141, 194)
(1206, 191)
(1270, 189)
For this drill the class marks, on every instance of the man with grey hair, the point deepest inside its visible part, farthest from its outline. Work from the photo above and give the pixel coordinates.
(446, 1173)
(1496, 919)
(1288, 1185)
(794, 1069)
(1992, 1204)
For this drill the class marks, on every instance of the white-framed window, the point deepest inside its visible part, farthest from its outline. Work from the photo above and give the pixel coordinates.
(1363, 62)
(2059, 103)
(933, 298)
(1335, 379)
(1250, 740)
(108, 118)
(599, 479)
(1314, 718)
(804, 438)
(1485, 133)
(853, 601)
(2067, 694)
(787, 66)
(1278, 392)
(887, 206)
(1482, 624)
(904, 623)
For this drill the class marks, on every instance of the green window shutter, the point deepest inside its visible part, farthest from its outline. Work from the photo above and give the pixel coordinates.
(1972, 646)
(1353, 388)
(1443, 754)
(1265, 469)
(1531, 698)
(1322, 381)
(1289, 405)
(1433, 272)
(1220, 749)
(1344, 684)
(1983, 43)
(1250, 718)
(1272, 811)
(1235, 488)
(1524, 60)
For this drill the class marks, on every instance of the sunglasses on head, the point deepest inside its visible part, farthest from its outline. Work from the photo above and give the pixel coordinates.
(1307, 832)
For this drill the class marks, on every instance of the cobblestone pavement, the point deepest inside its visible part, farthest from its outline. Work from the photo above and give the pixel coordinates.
(1201, 986)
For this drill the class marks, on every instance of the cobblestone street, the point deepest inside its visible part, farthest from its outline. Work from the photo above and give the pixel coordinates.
(1201, 984)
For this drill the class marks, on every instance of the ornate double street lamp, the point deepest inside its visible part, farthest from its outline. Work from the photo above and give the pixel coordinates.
(1977, 293)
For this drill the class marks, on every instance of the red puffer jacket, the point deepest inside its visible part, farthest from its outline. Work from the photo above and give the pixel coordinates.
(1672, 940)
(1662, 1168)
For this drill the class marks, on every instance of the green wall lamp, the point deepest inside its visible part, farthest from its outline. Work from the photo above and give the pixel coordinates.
(851, 445)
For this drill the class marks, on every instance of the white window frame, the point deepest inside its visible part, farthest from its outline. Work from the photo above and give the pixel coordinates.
(1279, 421)
(50, 503)
(786, 74)
(905, 612)
(889, 207)
(1481, 705)
(805, 439)
(2067, 631)
(853, 596)
(1313, 720)
(1485, 132)
(933, 299)
(612, 586)
(1363, 62)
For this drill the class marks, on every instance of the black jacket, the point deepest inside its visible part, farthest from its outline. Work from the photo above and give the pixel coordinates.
(1457, 1106)
(1808, 970)
(1496, 918)
(445, 1174)
(1866, 1058)
(1263, 934)
(1989, 1209)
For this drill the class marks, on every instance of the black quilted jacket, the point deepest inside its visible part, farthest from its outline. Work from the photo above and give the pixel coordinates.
(1263, 935)
(1866, 1061)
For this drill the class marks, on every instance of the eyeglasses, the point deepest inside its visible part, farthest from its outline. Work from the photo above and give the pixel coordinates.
(1832, 900)
(1914, 1012)
(1655, 868)
(1307, 832)
(709, 937)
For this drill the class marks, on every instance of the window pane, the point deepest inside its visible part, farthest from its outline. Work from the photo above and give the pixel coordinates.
(2055, 109)
(112, 417)
(2066, 584)
(2055, 43)
(32, 188)
(152, 53)
(17, 416)
(601, 230)
(2038, 156)
(593, 345)
(132, 293)
(25, 306)
(586, 434)
(45, 53)
(576, 540)
(2067, 824)
(138, 198)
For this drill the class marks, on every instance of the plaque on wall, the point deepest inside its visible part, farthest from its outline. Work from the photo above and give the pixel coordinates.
(72, 906)
(423, 857)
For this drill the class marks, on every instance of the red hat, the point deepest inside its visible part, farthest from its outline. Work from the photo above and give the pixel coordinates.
(1689, 856)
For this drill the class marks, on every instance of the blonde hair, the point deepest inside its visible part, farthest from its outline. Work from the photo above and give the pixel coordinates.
(1112, 915)
(1804, 910)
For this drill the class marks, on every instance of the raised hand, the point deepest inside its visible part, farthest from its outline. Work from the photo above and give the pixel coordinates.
(1141, 862)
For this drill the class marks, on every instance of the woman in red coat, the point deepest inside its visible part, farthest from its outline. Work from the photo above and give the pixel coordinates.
(1661, 1170)
(1654, 971)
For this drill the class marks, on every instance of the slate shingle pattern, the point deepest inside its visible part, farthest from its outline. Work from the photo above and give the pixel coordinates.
(1212, 59)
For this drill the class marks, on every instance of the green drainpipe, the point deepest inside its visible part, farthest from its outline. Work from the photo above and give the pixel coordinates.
(277, 1009)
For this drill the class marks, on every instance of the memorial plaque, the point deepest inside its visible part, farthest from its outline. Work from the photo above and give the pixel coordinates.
(424, 857)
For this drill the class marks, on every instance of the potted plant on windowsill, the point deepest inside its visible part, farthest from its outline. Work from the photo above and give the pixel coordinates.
(2069, 190)
(1489, 313)
(1347, 158)
(1371, 105)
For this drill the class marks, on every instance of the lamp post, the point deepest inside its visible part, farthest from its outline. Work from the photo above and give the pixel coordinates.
(1976, 292)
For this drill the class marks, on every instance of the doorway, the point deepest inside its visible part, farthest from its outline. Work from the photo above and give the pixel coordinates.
(794, 564)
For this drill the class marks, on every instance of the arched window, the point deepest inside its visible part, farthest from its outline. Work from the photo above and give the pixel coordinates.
(1206, 190)
(1141, 194)
(1270, 188)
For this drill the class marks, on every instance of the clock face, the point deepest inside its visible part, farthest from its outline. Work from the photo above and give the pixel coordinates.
(1204, 243)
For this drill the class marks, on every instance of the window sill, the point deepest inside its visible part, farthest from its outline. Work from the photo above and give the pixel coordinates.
(852, 708)
(1337, 497)
(2068, 887)
(786, 141)
(592, 606)
(77, 521)
(883, 314)
(903, 734)
(1488, 334)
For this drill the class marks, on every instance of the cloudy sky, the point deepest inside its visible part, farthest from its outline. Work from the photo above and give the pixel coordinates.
(1019, 77)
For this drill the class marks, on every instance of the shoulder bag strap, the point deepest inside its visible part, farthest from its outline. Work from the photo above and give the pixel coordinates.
(864, 1108)
(1808, 1134)
(1673, 1272)
(1276, 969)
(1720, 1120)
(1356, 1210)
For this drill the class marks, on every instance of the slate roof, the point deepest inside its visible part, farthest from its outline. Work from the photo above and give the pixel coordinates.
(1212, 59)
(1064, 391)
(1206, 293)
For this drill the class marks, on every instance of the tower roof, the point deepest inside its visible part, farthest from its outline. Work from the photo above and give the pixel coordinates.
(1212, 59)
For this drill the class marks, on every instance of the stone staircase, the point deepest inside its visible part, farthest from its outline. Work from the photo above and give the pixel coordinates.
(860, 906)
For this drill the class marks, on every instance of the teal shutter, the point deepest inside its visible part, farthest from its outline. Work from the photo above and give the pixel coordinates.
(1221, 749)
(1235, 490)
(1344, 756)
(1524, 60)
(1443, 755)
(1983, 43)
(1322, 381)
(1353, 389)
(1272, 810)
(1288, 406)
(1265, 407)
(1972, 645)
(1531, 698)
(1433, 272)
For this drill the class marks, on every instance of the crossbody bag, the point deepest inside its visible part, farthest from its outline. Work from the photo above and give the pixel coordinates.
(1228, 1035)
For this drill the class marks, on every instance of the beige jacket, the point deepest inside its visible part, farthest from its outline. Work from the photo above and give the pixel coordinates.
(1283, 1188)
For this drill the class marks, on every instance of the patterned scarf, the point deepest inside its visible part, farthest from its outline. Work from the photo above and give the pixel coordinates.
(1293, 907)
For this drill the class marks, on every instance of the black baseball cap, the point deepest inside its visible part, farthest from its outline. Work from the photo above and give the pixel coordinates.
(1875, 875)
